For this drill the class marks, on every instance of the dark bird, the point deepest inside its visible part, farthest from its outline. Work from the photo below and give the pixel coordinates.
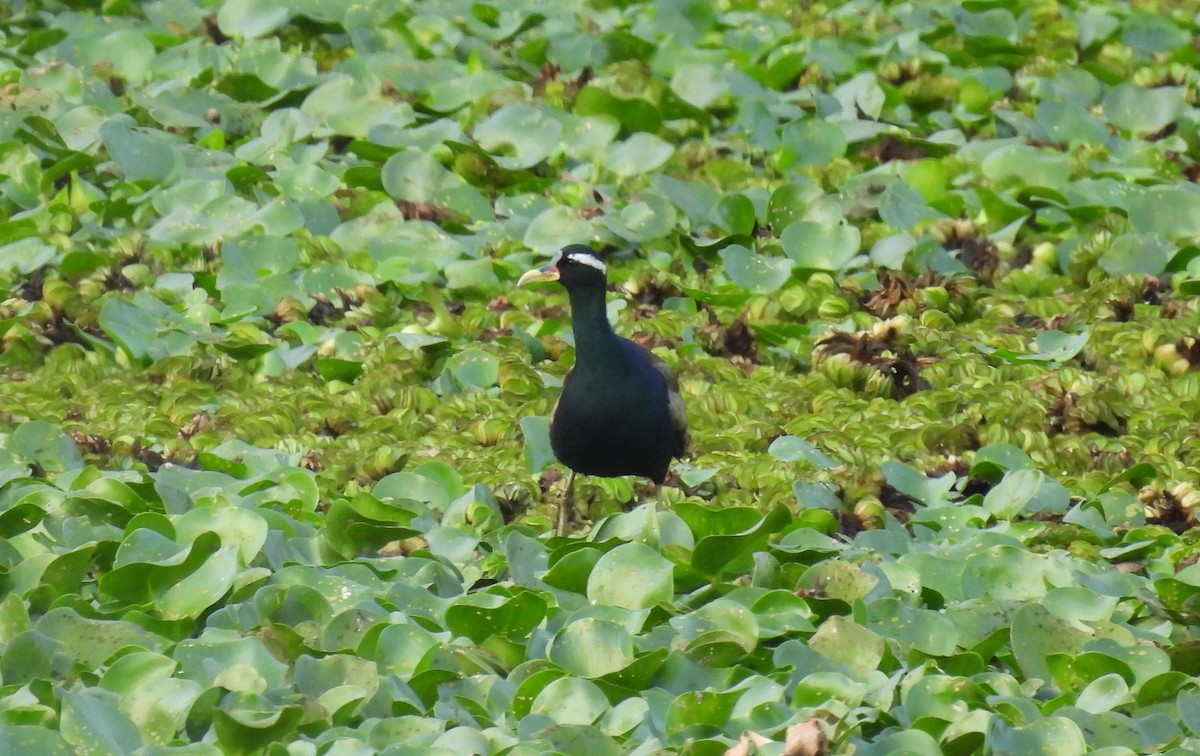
(620, 412)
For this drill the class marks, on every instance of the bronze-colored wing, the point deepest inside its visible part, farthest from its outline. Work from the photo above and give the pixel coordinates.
(678, 412)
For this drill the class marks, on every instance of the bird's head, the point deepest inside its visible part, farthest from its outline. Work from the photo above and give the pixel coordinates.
(573, 266)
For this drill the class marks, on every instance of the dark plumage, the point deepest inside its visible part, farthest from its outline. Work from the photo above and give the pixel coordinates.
(620, 412)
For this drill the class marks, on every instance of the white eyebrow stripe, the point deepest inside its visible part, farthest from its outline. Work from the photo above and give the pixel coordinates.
(589, 260)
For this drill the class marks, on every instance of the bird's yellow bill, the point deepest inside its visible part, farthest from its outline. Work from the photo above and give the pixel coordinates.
(538, 275)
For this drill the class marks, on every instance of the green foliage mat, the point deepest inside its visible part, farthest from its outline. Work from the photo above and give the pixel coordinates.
(274, 469)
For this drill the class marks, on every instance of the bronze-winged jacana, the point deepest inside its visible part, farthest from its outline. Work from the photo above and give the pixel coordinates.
(620, 411)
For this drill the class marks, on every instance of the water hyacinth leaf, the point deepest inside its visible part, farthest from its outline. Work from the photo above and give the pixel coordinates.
(18, 738)
(1139, 253)
(1057, 735)
(699, 713)
(1024, 165)
(1036, 634)
(248, 729)
(1005, 572)
(811, 141)
(252, 18)
(1013, 493)
(838, 579)
(901, 206)
(789, 202)
(640, 153)
(651, 218)
(721, 621)
(570, 700)
(571, 571)
(92, 642)
(92, 722)
(196, 592)
(932, 492)
(722, 554)
(631, 576)
(526, 132)
(536, 432)
(1107, 693)
(576, 739)
(1139, 110)
(414, 176)
(475, 368)
(481, 615)
(843, 640)
(926, 631)
(755, 272)
(1052, 345)
(792, 449)
(140, 156)
(699, 84)
(993, 460)
(361, 523)
(555, 228)
(244, 529)
(815, 246)
(43, 444)
(592, 648)
(634, 114)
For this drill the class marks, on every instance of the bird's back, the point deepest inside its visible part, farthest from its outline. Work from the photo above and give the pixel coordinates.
(616, 416)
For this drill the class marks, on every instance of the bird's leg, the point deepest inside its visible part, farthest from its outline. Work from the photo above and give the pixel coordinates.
(567, 506)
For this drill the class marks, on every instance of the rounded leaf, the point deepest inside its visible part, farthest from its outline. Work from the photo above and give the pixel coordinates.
(755, 272)
(631, 576)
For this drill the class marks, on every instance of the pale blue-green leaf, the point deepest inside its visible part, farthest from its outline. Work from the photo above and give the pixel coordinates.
(640, 153)
(631, 576)
(1139, 110)
(811, 141)
(816, 246)
(700, 84)
(519, 128)
(555, 228)
(793, 449)
(252, 18)
(753, 271)
(414, 176)
(1025, 165)
(141, 155)
(1167, 211)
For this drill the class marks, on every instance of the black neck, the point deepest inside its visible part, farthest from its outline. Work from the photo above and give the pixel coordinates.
(589, 320)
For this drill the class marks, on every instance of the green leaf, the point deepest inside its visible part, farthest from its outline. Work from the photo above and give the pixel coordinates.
(1024, 165)
(640, 153)
(141, 155)
(1135, 253)
(1036, 634)
(792, 449)
(41, 443)
(845, 641)
(811, 141)
(538, 454)
(92, 722)
(1052, 346)
(592, 647)
(1057, 735)
(815, 246)
(631, 576)
(1013, 493)
(527, 132)
(571, 701)
(753, 271)
(414, 176)
(725, 554)
(1139, 110)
